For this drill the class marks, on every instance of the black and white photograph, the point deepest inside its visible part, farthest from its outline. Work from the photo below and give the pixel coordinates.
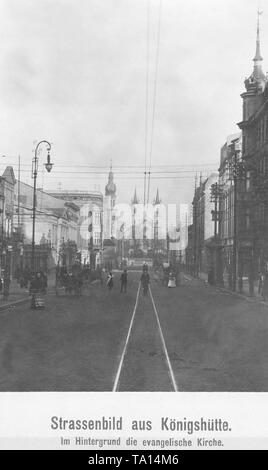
(133, 196)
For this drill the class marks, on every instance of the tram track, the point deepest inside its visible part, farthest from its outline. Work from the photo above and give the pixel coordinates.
(141, 349)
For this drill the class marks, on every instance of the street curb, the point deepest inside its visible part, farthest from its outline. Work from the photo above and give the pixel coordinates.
(14, 303)
(253, 299)
(235, 294)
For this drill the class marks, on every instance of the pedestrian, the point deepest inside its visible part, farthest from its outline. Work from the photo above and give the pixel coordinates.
(211, 279)
(123, 280)
(36, 287)
(171, 280)
(110, 282)
(145, 280)
(265, 287)
(145, 266)
(100, 274)
(260, 283)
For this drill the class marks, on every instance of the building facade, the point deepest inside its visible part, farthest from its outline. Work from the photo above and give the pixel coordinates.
(89, 238)
(9, 242)
(253, 196)
(56, 228)
(203, 227)
(226, 206)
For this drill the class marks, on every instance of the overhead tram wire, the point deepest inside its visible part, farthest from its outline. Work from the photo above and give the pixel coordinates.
(146, 97)
(124, 177)
(154, 95)
(104, 167)
(103, 174)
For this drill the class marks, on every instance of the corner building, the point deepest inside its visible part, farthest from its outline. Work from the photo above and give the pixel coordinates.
(253, 192)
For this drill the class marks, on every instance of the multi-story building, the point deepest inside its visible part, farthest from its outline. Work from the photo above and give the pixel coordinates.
(185, 219)
(7, 191)
(89, 239)
(253, 197)
(203, 226)
(198, 227)
(56, 228)
(226, 205)
(189, 251)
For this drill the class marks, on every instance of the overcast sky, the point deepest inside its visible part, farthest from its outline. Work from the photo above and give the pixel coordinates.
(74, 72)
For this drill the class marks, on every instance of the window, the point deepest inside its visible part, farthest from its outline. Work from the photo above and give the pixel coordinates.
(97, 219)
(247, 180)
(97, 238)
(22, 199)
(258, 134)
(247, 219)
(266, 127)
(262, 213)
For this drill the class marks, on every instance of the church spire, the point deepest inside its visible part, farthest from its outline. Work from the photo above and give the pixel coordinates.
(157, 199)
(110, 188)
(257, 81)
(135, 198)
(258, 58)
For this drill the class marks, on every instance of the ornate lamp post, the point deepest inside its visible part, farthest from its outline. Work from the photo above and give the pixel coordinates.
(48, 166)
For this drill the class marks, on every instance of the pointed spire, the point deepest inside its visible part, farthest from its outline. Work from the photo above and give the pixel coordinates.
(157, 199)
(110, 188)
(258, 58)
(257, 81)
(135, 198)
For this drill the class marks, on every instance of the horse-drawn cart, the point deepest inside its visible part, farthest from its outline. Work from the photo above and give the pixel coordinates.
(70, 283)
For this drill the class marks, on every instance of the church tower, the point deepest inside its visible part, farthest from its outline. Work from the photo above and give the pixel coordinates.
(108, 206)
(255, 83)
(252, 252)
(110, 188)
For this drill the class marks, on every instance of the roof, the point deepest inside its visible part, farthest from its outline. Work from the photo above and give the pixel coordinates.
(72, 205)
(232, 137)
(75, 192)
(9, 175)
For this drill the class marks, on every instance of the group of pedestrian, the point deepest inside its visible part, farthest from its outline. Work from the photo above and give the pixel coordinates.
(123, 281)
(27, 278)
(38, 283)
(23, 276)
(145, 280)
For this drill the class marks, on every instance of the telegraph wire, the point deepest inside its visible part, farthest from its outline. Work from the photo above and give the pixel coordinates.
(146, 97)
(104, 167)
(154, 95)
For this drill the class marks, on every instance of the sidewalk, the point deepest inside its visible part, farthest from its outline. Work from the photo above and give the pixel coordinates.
(244, 294)
(19, 296)
(16, 296)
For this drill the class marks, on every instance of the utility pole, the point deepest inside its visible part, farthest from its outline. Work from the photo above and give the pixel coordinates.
(237, 170)
(19, 193)
(216, 192)
(235, 225)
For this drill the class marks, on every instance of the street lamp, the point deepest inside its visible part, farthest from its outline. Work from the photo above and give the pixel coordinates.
(48, 166)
